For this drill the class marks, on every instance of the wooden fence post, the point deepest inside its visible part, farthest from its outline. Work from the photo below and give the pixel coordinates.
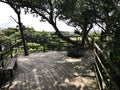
(1, 55)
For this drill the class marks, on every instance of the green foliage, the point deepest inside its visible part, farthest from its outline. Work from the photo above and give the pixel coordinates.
(83, 14)
(48, 10)
(36, 40)
(95, 34)
(9, 34)
(112, 21)
(9, 31)
(32, 47)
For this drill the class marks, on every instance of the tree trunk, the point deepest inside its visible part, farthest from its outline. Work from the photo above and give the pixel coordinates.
(85, 33)
(17, 11)
(84, 37)
(63, 37)
(22, 35)
(83, 40)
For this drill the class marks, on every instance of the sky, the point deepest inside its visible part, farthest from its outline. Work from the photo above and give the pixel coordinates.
(28, 20)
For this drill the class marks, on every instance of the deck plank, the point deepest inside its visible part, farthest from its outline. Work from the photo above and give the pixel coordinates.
(52, 71)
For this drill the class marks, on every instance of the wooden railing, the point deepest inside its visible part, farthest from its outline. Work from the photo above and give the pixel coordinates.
(50, 43)
(107, 74)
(8, 50)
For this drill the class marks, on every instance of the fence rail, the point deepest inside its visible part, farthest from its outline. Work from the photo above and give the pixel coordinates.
(107, 74)
(8, 50)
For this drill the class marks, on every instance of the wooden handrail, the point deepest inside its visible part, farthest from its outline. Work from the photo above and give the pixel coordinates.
(98, 48)
(104, 68)
(7, 53)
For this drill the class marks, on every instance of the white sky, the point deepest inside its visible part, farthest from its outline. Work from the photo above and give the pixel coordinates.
(28, 20)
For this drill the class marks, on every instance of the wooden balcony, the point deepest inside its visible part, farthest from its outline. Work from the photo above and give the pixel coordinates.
(53, 71)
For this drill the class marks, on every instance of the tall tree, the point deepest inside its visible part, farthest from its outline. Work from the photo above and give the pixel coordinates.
(17, 10)
(47, 9)
(82, 15)
(112, 20)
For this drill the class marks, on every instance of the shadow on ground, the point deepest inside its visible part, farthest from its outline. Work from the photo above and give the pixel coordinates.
(53, 71)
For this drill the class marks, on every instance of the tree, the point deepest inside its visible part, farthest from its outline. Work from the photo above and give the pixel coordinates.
(47, 9)
(110, 14)
(113, 25)
(17, 10)
(81, 14)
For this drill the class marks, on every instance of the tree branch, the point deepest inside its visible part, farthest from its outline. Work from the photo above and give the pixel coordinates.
(90, 27)
(41, 15)
(57, 16)
(51, 10)
(100, 26)
(14, 19)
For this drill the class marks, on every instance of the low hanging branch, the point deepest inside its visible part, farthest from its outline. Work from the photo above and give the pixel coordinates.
(47, 10)
(14, 19)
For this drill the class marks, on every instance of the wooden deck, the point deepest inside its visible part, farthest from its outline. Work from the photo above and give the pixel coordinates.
(53, 71)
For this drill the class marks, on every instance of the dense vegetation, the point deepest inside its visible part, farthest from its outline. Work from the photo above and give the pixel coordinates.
(36, 40)
(82, 14)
